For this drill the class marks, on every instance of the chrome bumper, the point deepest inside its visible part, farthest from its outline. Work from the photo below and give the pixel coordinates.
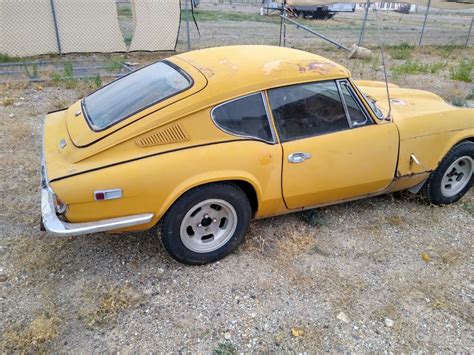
(54, 225)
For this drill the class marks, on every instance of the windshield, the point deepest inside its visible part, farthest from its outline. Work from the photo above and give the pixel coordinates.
(132, 93)
(372, 103)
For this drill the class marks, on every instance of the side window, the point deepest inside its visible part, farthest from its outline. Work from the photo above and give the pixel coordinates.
(244, 117)
(354, 111)
(307, 110)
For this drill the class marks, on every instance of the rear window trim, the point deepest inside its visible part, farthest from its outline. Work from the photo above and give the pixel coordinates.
(263, 97)
(171, 64)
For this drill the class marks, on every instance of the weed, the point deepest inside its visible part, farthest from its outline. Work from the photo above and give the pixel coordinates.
(8, 101)
(401, 51)
(312, 217)
(127, 39)
(226, 348)
(468, 207)
(60, 103)
(97, 81)
(32, 337)
(416, 67)
(70, 83)
(5, 58)
(125, 11)
(56, 77)
(458, 101)
(34, 73)
(114, 65)
(110, 303)
(203, 15)
(470, 96)
(447, 50)
(395, 221)
(68, 70)
(463, 71)
(437, 66)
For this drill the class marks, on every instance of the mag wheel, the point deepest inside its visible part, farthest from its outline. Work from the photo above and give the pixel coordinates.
(453, 177)
(206, 223)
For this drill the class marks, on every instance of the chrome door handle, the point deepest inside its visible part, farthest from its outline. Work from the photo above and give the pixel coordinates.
(298, 157)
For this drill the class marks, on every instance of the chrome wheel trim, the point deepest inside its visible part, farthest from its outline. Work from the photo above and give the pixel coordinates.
(208, 225)
(457, 176)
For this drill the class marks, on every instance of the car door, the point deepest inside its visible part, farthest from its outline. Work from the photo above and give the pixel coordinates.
(332, 150)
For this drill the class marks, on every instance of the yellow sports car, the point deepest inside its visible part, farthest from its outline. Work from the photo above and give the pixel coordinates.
(207, 140)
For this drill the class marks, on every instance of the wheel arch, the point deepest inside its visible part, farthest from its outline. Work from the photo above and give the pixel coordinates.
(247, 184)
(457, 139)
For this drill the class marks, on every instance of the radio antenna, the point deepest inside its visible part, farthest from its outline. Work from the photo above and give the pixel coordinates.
(388, 117)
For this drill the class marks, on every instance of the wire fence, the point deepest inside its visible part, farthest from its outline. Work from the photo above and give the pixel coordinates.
(219, 22)
(238, 21)
(33, 27)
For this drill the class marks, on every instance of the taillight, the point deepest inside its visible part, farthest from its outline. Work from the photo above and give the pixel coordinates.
(100, 195)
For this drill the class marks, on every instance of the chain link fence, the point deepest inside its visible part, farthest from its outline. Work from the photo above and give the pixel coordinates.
(115, 28)
(33, 27)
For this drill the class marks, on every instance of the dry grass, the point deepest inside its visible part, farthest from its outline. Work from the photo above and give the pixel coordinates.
(268, 238)
(60, 103)
(8, 101)
(107, 304)
(32, 337)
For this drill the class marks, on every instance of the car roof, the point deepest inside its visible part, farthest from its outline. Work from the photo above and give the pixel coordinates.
(234, 70)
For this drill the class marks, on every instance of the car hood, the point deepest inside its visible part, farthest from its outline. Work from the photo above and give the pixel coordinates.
(406, 103)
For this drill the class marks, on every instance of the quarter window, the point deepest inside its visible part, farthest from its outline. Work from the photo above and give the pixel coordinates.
(354, 111)
(245, 116)
(307, 110)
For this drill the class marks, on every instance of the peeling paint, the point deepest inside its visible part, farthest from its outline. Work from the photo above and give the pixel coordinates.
(269, 67)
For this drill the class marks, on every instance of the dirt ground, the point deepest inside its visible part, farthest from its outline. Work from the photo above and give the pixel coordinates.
(389, 273)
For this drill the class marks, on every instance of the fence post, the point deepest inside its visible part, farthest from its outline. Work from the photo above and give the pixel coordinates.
(469, 33)
(188, 35)
(56, 30)
(424, 22)
(361, 37)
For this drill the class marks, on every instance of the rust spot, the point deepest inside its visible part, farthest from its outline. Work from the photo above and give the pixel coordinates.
(319, 67)
(207, 71)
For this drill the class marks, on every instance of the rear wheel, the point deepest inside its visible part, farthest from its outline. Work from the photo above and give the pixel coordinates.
(206, 223)
(453, 177)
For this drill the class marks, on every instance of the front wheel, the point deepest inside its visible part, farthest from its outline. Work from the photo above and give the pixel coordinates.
(206, 223)
(453, 177)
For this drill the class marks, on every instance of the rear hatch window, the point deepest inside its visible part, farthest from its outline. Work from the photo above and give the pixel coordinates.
(137, 91)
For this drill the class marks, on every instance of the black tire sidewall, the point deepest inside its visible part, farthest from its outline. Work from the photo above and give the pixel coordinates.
(434, 193)
(170, 233)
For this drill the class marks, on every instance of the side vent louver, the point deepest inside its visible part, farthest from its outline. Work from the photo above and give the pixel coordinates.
(166, 135)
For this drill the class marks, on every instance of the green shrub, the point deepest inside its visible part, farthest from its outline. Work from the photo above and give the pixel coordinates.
(5, 58)
(416, 67)
(401, 51)
(463, 71)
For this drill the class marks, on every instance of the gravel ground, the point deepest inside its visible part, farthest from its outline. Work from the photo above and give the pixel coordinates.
(383, 274)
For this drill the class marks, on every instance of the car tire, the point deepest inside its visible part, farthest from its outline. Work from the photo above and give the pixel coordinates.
(206, 223)
(453, 177)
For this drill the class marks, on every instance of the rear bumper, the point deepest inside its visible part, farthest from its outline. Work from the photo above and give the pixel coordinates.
(54, 225)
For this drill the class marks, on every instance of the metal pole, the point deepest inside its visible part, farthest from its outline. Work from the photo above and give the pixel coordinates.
(298, 25)
(424, 22)
(361, 37)
(284, 34)
(469, 33)
(281, 31)
(188, 35)
(282, 22)
(55, 22)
